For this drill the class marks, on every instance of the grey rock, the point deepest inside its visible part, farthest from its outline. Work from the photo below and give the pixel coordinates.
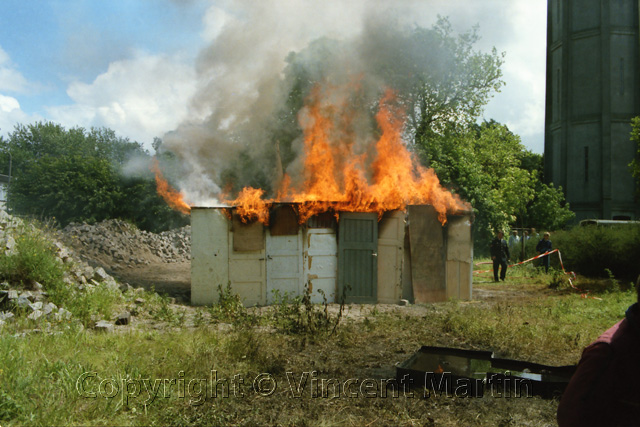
(21, 302)
(88, 272)
(36, 306)
(100, 275)
(103, 326)
(62, 314)
(49, 308)
(9, 245)
(124, 318)
(28, 294)
(111, 284)
(404, 302)
(6, 316)
(35, 315)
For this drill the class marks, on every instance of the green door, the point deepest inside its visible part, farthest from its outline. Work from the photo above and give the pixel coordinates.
(358, 256)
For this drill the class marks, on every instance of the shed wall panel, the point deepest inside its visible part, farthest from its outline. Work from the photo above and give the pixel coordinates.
(284, 264)
(247, 270)
(390, 255)
(459, 258)
(321, 263)
(428, 255)
(209, 255)
(357, 256)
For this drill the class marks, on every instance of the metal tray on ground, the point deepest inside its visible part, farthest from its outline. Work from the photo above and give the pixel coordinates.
(473, 373)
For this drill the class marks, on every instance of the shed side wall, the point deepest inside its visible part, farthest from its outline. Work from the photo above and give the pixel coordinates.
(428, 255)
(209, 255)
(459, 258)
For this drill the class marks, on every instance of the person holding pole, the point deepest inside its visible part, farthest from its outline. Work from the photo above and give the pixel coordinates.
(499, 254)
(543, 247)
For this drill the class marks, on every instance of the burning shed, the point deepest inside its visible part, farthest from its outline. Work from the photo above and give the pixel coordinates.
(401, 255)
(356, 213)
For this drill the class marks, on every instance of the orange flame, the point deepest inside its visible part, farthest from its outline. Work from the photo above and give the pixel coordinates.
(251, 206)
(335, 177)
(174, 198)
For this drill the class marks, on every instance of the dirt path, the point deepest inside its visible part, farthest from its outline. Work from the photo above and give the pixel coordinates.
(174, 279)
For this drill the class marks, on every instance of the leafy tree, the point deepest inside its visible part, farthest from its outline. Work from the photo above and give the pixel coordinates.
(443, 80)
(488, 166)
(70, 188)
(548, 211)
(76, 175)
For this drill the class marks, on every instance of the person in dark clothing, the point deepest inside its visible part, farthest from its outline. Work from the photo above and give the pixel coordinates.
(543, 247)
(604, 389)
(499, 254)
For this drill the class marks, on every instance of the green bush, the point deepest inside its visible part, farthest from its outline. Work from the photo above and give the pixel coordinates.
(592, 250)
(32, 260)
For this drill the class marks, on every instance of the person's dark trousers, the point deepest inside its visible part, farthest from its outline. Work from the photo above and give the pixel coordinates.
(496, 264)
(544, 262)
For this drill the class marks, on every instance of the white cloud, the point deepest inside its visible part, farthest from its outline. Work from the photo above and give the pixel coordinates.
(139, 98)
(8, 104)
(521, 103)
(11, 79)
(11, 114)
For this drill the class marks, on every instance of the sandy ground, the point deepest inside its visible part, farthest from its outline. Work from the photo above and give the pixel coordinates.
(174, 279)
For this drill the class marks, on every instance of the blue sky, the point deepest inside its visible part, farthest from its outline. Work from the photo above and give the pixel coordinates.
(132, 65)
(55, 42)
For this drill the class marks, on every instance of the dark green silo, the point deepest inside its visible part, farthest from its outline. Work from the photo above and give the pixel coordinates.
(592, 92)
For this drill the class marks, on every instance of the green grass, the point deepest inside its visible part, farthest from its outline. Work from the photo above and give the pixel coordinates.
(64, 374)
(550, 328)
(539, 325)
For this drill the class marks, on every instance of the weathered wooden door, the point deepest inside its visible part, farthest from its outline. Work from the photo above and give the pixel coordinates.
(284, 265)
(321, 263)
(358, 256)
(246, 262)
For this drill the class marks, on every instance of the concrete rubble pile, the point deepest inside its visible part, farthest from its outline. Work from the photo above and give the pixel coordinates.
(16, 298)
(125, 245)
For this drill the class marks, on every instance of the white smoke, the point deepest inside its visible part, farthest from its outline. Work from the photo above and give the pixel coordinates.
(241, 84)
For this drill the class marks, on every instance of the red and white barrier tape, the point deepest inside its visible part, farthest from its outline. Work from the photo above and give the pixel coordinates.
(571, 274)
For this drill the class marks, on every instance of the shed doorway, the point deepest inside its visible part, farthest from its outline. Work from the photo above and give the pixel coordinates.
(358, 256)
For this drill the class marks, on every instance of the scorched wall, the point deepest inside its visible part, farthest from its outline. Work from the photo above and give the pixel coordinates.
(402, 256)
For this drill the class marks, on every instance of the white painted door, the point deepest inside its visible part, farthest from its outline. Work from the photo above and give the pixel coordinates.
(284, 265)
(321, 263)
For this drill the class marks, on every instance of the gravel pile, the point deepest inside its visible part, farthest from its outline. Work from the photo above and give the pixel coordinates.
(118, 243)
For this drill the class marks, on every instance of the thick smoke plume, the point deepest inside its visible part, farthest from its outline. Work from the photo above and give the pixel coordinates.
(265, 60)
